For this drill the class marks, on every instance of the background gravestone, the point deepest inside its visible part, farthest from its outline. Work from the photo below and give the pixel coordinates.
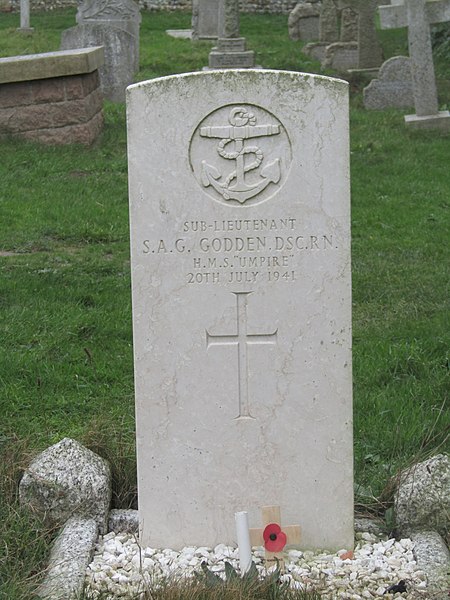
(205, 19)
(369, 54)
(393, 86)
(303, 21)
(114, 25)
(239, 205)
(120, 14)
(25, 17)
(356, 46)
(117, 72)
(417, 15)
(328, 31)
(230, 52)
(341, 56)
(349, 25)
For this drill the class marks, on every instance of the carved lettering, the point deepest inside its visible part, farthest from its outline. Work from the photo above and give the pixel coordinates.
(241, 259)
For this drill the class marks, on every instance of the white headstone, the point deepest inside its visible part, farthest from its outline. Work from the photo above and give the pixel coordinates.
(240, 244)
(418, 15)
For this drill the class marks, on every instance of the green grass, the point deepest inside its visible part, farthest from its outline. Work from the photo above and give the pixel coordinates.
(66, 354)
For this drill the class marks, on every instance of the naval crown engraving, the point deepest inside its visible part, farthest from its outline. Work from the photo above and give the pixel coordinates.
(251, 152)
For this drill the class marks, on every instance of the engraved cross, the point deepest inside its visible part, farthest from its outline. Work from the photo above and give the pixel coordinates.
(242, 340)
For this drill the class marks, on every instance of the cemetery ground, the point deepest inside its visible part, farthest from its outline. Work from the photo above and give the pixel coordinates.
(66, 365)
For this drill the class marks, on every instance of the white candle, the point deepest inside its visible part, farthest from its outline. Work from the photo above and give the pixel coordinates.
(243, 540)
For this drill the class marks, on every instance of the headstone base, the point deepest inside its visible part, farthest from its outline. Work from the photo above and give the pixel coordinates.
(231, 44)
(439, 121)
(370, 73)
(185, 34)
(231, 60)
(230, 53)
(26, 30)
(341, 56)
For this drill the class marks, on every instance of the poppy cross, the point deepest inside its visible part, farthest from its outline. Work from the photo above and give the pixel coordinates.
(274, 537)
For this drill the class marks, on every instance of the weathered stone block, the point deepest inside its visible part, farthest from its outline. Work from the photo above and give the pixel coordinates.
(33, 116)
(433, 557)
(15, 94)
(49, 90)
(75, 111)
(341, 56)
(91, 81)
(70, 556)
(231, 60)
(123, 521)
(85, 133)
(68, 480)
(74, 86)
(422, 500)
(30, 109)
(50, 64)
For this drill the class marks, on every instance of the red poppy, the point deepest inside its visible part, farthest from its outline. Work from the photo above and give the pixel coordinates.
(274, 539)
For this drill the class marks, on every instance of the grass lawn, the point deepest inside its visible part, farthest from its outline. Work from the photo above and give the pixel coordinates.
(66, 364)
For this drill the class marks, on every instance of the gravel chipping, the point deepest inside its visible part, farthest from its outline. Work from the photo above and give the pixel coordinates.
(121, 569)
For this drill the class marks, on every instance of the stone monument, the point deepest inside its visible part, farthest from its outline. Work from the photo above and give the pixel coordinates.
(120, 14)
(230, 52)
(418, 15)
(303, 21)
(113, 24)
(356, 47)
(349, 25)
(369, 53)
(240, 245)
(328, 31)
(343, 55)
(393, 86)
(25, 17)
(329, 27)
(205, 19)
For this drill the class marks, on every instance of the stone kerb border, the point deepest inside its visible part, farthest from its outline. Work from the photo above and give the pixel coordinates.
(52, 98)
(76, 483)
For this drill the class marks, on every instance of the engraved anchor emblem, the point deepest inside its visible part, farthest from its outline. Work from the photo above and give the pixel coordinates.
(242, 126)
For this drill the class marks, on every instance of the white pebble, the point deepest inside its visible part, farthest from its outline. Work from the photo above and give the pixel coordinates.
(120, 569)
